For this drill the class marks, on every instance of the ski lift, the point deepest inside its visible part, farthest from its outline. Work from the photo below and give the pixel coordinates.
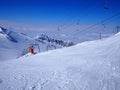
(103, 25)
(77, 24)
(50, 46)
(117, 29)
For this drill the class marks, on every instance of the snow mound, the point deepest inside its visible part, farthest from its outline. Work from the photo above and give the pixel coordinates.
(118, 33)
(93, 65)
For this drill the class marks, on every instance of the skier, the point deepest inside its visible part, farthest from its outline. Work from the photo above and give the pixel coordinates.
(31, 48)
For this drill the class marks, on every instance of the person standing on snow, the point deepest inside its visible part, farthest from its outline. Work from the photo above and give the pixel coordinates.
(31, 48)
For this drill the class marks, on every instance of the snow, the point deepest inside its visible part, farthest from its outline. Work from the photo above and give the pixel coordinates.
(93, 65)
(0, 30)
(12, 44)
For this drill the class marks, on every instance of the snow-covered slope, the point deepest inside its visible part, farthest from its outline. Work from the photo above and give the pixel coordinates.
(93, 65)
(13, 44)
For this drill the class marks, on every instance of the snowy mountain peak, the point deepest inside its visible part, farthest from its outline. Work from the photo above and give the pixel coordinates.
(7, 34)
(3, 30)
(0, 29)
(20, 42)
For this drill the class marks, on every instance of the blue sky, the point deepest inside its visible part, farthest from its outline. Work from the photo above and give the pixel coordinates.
(56, 12)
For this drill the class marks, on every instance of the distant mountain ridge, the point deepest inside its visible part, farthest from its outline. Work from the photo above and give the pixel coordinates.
(18, 43)
(6, 33)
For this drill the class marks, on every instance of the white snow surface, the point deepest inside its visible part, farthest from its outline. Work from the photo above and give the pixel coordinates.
(93, 65)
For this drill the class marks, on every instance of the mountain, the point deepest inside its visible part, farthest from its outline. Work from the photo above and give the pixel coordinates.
(14, 44)
(18, 43)
(91, 65)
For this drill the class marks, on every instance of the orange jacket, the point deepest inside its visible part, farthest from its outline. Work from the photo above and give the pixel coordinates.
(31, 48)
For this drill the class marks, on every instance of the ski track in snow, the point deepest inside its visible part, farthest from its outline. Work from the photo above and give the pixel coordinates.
(73, 78)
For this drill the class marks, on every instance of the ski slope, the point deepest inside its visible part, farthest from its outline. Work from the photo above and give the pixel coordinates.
(12, 44)
(93, 65)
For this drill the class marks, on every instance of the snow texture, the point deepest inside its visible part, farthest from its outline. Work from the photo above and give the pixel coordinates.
(93, 65)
